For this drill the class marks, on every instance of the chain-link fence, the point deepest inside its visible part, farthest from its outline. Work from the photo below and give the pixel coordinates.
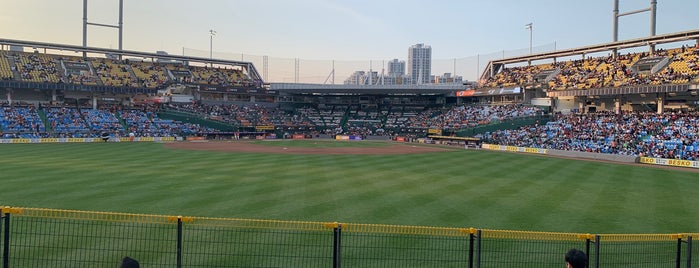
(62, 238)
(331, 71)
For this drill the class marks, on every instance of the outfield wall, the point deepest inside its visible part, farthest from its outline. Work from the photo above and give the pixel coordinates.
(597, 156)
(89, 140)
(562, 153)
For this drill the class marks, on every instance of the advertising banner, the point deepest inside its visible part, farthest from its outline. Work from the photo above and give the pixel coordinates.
(435, 131)
(465, 93)
(514, 149)
(669, 162)
(355, 138)
(86, 140)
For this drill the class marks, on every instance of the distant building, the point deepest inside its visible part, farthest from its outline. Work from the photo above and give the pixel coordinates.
(420, 63)
(355, 78)
(362, 78)
(447, 79)
(396, 68)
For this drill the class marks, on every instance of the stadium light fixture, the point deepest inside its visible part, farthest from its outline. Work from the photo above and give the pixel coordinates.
(212, 33)
(530, 26)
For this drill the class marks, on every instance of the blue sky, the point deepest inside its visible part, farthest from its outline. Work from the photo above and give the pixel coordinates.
(358, 30)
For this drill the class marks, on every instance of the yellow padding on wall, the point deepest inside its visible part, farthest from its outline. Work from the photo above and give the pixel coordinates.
(398, 229)
(328, 226)
(93, 216)
(639, 237)
(527, 235)
(11, 210)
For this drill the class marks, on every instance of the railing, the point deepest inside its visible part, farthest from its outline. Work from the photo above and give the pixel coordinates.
(63, 238)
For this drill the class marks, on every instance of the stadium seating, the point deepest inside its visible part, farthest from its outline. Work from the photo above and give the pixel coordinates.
(51, 68)
(21, 122)
(139, 123)
(147, 124)
(5, 68)
(114, 73)
(35, 67)
(102, 121)
(208, 76)
(68, 122)
(604, 71)
(235, 76)
(667, 135)
(149, 75)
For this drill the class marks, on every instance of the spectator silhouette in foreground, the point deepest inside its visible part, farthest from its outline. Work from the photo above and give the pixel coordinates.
(576, 259)
(128, 262)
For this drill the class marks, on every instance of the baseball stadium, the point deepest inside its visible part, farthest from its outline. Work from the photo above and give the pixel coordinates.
(191, 161)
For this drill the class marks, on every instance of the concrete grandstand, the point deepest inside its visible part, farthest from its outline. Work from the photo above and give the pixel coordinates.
(603, 103)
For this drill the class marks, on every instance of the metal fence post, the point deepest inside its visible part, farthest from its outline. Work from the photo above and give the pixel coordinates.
(597, 246)
(337, 241)
(179, 241)
(689, 251)
(6, 241)
(678, 258)
(587, 248)
(471, 239)
(478, 249)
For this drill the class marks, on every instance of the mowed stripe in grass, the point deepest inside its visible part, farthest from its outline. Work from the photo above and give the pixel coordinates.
(460, 188)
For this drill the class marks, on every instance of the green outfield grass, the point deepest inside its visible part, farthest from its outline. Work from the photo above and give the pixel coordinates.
(322, 143)
(460, 188)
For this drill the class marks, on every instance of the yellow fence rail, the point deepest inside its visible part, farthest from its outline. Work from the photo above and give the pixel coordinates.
(36, 237)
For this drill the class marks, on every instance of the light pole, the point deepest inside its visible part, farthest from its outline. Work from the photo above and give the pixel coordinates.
(530, 26)
(212, 33)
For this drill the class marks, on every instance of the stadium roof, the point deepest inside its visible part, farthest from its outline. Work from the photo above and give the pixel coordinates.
(639, 42)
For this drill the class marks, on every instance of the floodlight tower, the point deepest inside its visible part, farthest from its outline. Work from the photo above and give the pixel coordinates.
(212, 33)
(120, 26)
(530, 27)
(652, 9)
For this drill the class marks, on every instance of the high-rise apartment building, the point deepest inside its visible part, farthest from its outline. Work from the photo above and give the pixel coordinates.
(420, 63)
(396, 68)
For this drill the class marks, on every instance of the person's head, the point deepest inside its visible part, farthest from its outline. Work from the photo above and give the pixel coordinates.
(128, 262)
(576, 259)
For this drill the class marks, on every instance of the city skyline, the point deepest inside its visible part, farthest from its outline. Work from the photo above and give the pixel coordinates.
(352, 36)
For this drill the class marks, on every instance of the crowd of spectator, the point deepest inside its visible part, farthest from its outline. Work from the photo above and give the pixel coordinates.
(24, 121)
(40, 67)
(113, 73)
(679, 138)
(469, 116)
(66, 121)
(21, 122)
(357, 122)
(672, 135)
(36, 68)
(667, 135)
(606, 71)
